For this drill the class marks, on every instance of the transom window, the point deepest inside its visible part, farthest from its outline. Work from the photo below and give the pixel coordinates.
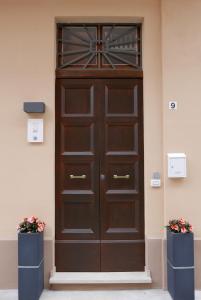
(99, 46)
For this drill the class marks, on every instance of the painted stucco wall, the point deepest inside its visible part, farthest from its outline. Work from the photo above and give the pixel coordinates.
(181, 44)
(27, 66)
(27, 63)
(181, 72)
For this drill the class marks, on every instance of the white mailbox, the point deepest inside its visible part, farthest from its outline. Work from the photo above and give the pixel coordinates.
(176, 165)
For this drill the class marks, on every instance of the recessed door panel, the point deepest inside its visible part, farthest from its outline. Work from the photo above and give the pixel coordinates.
(122, 175)
(99, 175)
(77, 217)
(121, 137)
(113, 100)
(77, 137)
(78, 174)
(78, 102)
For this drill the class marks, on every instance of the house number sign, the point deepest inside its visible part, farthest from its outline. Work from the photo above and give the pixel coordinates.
(172, 105)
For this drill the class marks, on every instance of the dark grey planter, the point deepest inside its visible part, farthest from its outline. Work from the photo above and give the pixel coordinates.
(180, 265)
(30, 266)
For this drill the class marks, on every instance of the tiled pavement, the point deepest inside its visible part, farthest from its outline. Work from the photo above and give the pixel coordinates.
(97, 295)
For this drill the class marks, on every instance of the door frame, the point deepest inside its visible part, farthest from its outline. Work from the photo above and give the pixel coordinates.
(64, 73)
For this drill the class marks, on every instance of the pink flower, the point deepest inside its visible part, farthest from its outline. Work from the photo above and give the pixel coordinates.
(41, 226)
(191, 228)
(31, 225)
(182, 221)
(31, 219)
(183, 230)
(175, 227)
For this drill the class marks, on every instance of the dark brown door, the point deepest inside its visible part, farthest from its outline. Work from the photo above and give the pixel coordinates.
(99, 175)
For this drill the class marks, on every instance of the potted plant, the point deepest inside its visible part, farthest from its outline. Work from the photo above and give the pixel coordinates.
(30, 259)
(180, 260)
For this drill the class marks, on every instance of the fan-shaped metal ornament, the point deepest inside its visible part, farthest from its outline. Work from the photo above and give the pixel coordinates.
(99, 46)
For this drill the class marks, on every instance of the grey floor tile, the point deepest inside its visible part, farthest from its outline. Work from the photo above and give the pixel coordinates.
(97, 295)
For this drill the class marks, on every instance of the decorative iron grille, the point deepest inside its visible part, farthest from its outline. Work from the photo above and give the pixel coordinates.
(99, 46)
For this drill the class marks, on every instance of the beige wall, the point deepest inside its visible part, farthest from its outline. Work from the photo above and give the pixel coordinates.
(27, 65)
(181, 71)
(181, 48)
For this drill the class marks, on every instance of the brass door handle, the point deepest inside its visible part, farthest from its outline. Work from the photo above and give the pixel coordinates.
(77, 176)
(115, 176)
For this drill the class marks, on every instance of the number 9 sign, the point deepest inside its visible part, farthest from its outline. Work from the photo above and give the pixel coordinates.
(173, 105)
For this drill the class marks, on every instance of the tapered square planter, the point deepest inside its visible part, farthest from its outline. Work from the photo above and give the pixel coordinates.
(30, 266)
(180, 265)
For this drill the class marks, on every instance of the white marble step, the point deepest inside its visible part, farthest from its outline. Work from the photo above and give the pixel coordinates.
(100, 278)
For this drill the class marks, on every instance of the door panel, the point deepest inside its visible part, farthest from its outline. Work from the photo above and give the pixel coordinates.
(122, 256)
(74, 256)
(77, 177)
(77, 137)
(122, 205)
(99, 175)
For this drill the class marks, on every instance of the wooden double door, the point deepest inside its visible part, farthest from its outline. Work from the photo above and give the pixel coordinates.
(99, 175)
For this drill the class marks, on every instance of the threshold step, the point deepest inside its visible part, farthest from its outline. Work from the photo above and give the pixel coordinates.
(100, 278)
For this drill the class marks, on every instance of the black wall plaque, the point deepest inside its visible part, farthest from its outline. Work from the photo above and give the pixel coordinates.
(34, 107)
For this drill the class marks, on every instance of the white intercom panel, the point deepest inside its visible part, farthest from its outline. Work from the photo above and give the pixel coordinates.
(176, 165)
(35, 131)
